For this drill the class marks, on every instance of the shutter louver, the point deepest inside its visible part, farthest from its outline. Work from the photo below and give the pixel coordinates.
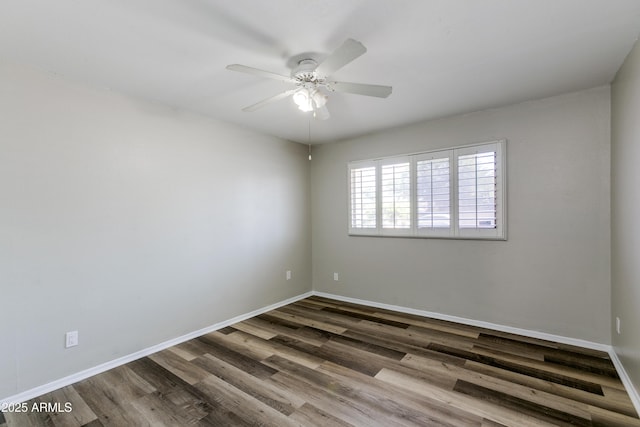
(363, 197)
(477, 202)
(396, 195)
(433, 202)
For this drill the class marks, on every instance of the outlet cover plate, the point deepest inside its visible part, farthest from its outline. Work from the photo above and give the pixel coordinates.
(71, 339)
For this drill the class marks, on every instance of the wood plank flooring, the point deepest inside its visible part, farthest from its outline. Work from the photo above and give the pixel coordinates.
(320, 362)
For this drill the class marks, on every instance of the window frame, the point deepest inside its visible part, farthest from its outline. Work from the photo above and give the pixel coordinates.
(499, 232)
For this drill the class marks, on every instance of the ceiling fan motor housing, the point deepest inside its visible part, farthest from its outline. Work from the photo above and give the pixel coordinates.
(305, 72)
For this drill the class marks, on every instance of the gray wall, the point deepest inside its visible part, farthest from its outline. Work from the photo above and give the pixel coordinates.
(553, 273)
(625, 213)
(134, 224)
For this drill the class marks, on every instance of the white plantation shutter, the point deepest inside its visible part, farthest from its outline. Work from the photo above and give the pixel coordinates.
(395, 179)
(480, 193)
(454, 193)
(477, 190)
(433, 193)
(363, 198)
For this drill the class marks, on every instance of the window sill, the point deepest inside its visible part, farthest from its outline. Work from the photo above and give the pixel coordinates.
(485, 238)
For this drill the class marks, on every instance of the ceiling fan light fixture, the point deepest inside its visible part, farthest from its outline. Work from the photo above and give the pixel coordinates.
(319, 99)
(306, 108)
(301, 97)
(309, 100)
(303, 100)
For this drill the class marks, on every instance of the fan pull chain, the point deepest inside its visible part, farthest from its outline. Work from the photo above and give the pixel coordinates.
(309, 138)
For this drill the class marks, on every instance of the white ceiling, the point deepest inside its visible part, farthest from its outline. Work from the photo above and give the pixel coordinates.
(442, 57)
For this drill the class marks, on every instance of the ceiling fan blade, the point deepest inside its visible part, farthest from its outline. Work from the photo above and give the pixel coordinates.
(269, 100)
(343, 55)
(260, 73)
(360, 89)
(321, 113)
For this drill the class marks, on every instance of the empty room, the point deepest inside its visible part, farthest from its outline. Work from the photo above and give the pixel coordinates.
(319, 213)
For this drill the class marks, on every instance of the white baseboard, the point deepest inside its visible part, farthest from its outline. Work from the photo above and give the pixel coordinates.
(497, 327)
(626, 380)
(74, 378)
(633, 393)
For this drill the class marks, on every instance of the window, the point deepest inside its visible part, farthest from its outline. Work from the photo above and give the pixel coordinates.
(455, 193)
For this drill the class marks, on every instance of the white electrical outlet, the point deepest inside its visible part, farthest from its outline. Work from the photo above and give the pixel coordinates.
(618, 325)
(335, 277)
(71, 339)
(288, 274)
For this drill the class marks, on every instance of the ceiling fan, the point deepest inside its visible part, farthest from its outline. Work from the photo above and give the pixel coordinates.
(312, 81)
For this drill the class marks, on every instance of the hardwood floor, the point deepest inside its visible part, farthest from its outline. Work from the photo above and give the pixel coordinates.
(320, 362)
